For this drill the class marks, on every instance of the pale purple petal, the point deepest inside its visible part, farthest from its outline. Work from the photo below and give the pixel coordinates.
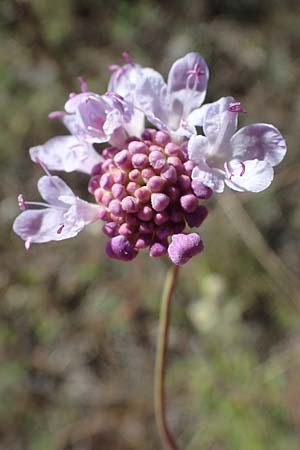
(51, 188)
(220, 123)
(66, 153)
(81, 212)
(198, 148)
(151, 95)
(43, 225)
(124, 80)
(197, 116)
(255, 176)
(187, 83)
(210, 177)
(259, 141)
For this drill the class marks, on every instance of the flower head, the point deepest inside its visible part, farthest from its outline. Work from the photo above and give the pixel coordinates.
(147, 183)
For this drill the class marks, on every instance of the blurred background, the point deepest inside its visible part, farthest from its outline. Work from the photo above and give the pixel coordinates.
(78, 331)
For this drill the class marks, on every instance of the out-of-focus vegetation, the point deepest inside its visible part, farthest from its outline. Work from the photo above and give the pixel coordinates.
(77, 331)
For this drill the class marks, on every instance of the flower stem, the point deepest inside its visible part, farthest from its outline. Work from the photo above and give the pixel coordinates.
(160, 362)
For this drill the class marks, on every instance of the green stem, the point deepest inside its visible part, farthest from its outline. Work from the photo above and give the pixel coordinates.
(160, 362)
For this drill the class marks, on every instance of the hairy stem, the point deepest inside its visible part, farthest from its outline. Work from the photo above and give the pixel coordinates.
(160, 362)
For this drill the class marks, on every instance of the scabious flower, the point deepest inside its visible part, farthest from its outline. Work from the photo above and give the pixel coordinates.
(147, 183)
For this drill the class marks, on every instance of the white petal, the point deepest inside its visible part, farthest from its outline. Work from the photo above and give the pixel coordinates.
(151, 95)
(51, 188)
(186, 91)
(198, 148)
(43, 225)
(259, 141)
(124, 81)
(220, 123)
(212, 178)
(255, 176)
(66, 153)
(196, 117)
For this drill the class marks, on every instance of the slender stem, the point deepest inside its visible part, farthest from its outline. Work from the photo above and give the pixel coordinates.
(160, 362)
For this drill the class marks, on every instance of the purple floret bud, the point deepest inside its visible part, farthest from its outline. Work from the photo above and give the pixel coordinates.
(110, 229)
(137, 147)
(189, 203)
(156, 184)
(159, 201)
(122, 159)
(139, 161)
(130, 204)
(119, 247)
(157, 159)
(158, 249)
(195, 218)
(200, 190)
(183, 247)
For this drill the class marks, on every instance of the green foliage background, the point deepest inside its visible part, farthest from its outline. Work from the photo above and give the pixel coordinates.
(77, 331)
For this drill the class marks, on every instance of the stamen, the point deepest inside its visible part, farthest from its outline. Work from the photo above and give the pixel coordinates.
(196, 71)
(60, 228)
(45, 169)
(128, 58)
(236, 107)
(21, 202)
(83, 84)
(56, 114)
(229, 172)
(243, 168)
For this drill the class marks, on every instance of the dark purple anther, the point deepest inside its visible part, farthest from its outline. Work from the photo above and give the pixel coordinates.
(119, 247)
(183, 247)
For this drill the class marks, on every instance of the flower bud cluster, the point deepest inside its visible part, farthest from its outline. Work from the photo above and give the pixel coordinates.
(146, 194)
